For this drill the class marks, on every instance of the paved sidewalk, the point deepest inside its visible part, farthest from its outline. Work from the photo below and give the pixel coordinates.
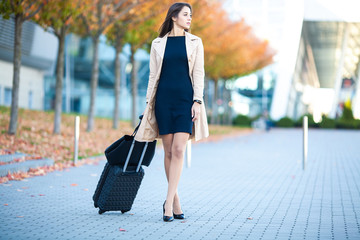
(246, 187)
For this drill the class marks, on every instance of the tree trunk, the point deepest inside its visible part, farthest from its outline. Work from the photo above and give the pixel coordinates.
(133, 87)
(214, 104)
(206, 94)
(16, 75)
(220, 117)
(228, 108)
(59, 81)
(94, 82)
(117, 85)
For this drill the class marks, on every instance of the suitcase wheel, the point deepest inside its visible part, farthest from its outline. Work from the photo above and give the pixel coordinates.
(95, 205)
(123, 211)
(101, 211)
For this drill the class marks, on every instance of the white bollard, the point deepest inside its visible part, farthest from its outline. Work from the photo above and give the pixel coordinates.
(77, 134)
(305, 141)
(188, 154)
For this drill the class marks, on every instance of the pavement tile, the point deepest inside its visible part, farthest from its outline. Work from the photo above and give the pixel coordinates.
(246, 187)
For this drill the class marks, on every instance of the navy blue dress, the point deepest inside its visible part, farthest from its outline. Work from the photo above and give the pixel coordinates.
(174, 95)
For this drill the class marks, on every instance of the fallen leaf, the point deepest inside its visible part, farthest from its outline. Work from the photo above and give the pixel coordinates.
(41, 194)
(19, 190)
(73, 184)
(131, 214)
(19, 216)
(85, 189)
(122, 230)
(250, 218)
(6, 204)
(183, 221)
(24, 187)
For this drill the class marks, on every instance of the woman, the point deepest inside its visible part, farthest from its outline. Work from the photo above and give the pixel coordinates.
(175, 111)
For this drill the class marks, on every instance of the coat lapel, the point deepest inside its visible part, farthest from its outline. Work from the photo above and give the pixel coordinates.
(160, 44)
(190, 41)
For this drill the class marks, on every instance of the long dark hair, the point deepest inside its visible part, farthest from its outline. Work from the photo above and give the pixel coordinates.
(173, 11)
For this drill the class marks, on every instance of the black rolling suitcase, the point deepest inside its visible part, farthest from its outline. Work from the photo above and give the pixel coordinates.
(118, 186)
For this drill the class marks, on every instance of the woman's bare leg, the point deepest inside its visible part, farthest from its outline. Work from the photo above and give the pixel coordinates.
(167, 143)
(175, 168)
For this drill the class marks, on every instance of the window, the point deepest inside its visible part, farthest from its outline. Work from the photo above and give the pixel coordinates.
(30, 100)
(7, 96)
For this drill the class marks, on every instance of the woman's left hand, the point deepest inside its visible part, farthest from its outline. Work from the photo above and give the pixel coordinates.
(195, 111)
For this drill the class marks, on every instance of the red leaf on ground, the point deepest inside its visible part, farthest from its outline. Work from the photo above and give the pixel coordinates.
(85, 189)
(122, 230)
(6, 204)
(41, 194)
(249, 218)
(73, 184)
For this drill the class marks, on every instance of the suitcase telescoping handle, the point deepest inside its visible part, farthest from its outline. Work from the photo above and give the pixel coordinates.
(137, 127)
(131, 149)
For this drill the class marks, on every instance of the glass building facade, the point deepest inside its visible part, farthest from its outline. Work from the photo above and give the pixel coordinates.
(77, 75)
(317, 65)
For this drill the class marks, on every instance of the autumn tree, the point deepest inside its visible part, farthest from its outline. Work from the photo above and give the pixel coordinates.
(22, 10)
(93, 22)
(137, 36)
(116, 36)
(231, 49)
(57, 17)
(138, 28)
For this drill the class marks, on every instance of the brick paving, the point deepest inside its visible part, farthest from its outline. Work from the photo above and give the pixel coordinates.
(245, 187)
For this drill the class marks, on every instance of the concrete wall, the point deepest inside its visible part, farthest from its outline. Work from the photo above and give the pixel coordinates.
(289, 45)
(31, 80)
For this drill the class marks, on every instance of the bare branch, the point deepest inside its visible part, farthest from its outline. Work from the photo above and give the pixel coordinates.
(12, 4)
(125, 11)
(119, 4)
(85, 23)
(35, 12)
(29, 6)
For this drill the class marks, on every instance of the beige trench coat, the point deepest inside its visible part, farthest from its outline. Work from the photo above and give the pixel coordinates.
(148, 130)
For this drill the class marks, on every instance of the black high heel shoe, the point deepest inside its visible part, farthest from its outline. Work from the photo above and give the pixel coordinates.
(179, 216)
(167, 218)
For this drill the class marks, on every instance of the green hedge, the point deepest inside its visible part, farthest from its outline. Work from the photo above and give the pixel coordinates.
(285, 122)
(346, 124)
(327, 123)
(311, 122)
(242, 120)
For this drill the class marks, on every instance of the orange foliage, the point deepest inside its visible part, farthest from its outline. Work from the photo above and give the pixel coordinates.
(231, 49)
(59, 13)
(98, 17)
(34, 135)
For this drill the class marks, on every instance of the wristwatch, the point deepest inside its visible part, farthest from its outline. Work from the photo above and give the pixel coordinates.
(198, 101)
